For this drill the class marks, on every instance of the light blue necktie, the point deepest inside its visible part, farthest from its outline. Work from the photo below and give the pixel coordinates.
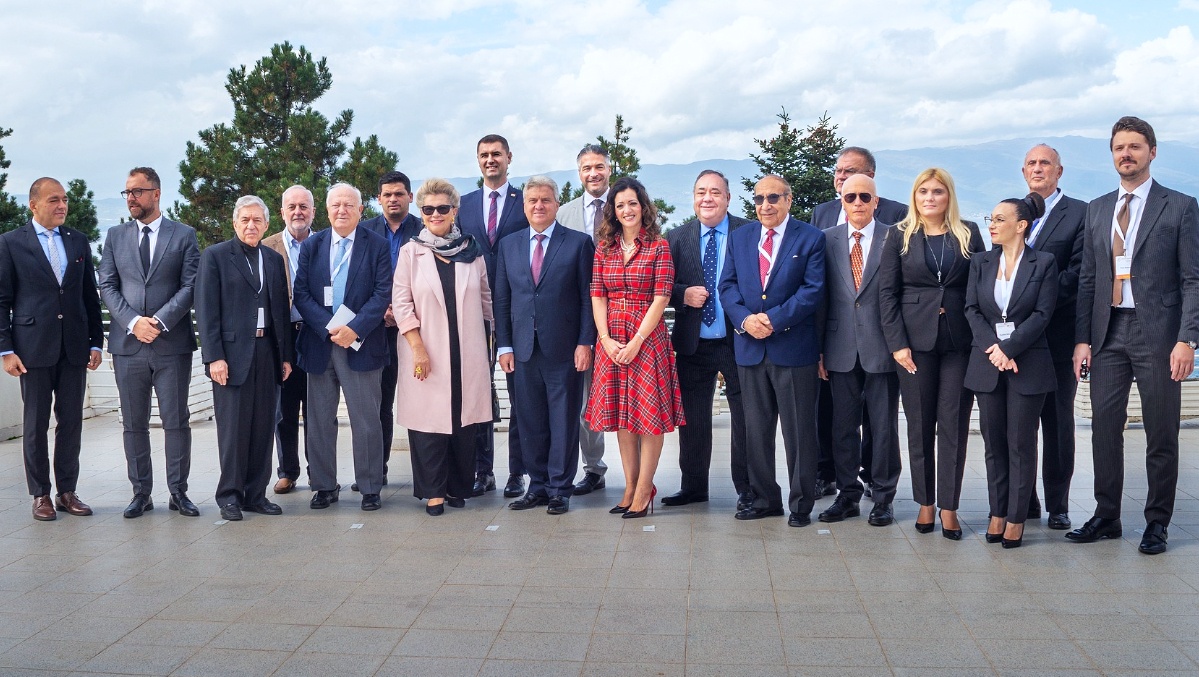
(339, 280)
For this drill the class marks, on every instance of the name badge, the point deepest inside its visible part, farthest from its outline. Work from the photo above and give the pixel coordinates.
(261, 318)
(329, 297)
(1004, 330)
(1123, 267)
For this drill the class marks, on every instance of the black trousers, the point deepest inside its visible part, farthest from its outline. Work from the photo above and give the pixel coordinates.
(858, 395)
(788, 394)
(697, 383)
(387, 404)
(1057, 441)
(826, 467)
(1126, 355)
(293, 402)
(485, 432)
(442, 465)
(60, 389)
(1009, 428)
(245, 423)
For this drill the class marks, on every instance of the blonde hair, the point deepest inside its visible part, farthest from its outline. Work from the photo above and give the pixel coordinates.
(914, 223)
(436, 186)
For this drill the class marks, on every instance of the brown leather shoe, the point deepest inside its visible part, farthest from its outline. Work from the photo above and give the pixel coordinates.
(43, 509)
(70, 502)
(285, 485)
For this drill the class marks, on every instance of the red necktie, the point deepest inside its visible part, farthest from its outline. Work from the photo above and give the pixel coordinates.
(764, 256)
(492, 217)
(855, 260)
(538, 257)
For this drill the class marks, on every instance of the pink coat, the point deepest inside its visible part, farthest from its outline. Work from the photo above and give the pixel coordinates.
(418, 303)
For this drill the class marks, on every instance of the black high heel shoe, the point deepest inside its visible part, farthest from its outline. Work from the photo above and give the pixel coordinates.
(620, 509)
(925, 527)
(1009, 543)
(951, 534)
(993, 538)
(648, 509)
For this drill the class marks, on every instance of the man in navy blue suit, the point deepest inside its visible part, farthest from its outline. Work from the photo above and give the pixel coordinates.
(491, 213)
(545, 333)
(771, 292)
(343, 266)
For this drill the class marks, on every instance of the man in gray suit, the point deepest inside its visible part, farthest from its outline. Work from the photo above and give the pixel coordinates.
(585, 213)
(1138, 318)
(856, 362)
(147, 279)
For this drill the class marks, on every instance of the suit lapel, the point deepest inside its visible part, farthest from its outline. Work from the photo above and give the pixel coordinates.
(839, 252)
(241, 264)
(690, 259)
(875, 255)
(1053, 220)
(1154, 206)
(990, 272)
(1103, 230)
(785, 249)
(426, 263)
(73, 249)
(547, 259)
(166, 230)
(1020, 283)
(34, 241)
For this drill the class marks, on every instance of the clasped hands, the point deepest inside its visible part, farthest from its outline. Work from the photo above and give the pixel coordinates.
(758, 326)
(622, 353)
(1002, 362)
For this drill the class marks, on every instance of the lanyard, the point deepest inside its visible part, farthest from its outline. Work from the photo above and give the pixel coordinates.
(1006, 285)
(260, 271)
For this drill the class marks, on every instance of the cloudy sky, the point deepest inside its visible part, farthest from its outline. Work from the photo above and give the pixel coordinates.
(110, 85)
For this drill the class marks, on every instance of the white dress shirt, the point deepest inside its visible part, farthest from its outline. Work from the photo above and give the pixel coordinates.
(1135, 208)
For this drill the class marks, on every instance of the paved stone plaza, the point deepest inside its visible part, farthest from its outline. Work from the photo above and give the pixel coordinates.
(395, 592)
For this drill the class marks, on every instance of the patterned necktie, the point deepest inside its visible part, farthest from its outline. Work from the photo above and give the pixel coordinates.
(144, 248)
(1118, 250)
(538, 257)
(765, 255)
(598, 216)
(339, 279)
(493, 217)
(708, 312)
(855, 260)
(55, 259)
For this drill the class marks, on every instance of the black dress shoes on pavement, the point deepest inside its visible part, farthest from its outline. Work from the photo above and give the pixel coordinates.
(745, 499)
(324, 498)
(515, 486)
(559, 505)
(183, 504)
(1059, 521)
(1154, 541)
(264, 507)
(590, 482)
(752, 513)
(825, 488)
(684, 497)
(529, 501)
(841, 508)
(484, 482)
(139, 504)
(455, 502)
(435, 510)
(881, 515)
(1095, 529)
(231, 512)
(371, 502)
(798, 520)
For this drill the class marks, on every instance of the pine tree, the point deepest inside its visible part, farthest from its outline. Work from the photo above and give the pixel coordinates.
(806, 162)
(625, 162)
(12, 214)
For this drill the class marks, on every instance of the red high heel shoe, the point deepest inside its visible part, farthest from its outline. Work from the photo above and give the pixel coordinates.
(648, 509)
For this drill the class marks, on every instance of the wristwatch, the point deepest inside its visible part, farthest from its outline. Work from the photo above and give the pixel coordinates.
(1193, 345)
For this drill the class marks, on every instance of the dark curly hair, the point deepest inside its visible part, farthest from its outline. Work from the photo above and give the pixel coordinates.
(609, 229)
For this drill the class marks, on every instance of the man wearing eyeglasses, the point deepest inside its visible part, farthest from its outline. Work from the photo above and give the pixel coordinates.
(148, 281)
(771, 288)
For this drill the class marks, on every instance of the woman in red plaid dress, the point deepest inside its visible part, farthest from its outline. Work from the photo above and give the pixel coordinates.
(635, 390)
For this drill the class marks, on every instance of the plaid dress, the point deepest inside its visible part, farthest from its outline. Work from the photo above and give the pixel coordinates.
(642, 397)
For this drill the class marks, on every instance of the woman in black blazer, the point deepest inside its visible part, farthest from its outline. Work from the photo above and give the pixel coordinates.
(1010, 298)
(922, 299)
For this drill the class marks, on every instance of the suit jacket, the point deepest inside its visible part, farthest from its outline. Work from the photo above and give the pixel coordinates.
(793, 293)
(368, 293)
(556, 310)
(512, 219)
(572, 215)
(910, 299)
(1062, 237)
(410, 227)
(227, 301)
(39, 319)
(277, 243)
(689, 272)
(1165, 271)
(166, 292)
(1034, 296)
(419, 303)
(849, 320)
(890, 212)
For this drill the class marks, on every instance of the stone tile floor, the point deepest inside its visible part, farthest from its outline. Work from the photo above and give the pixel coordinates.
(394, 592)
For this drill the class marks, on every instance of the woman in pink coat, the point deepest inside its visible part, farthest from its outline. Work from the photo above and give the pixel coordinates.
(440, 299)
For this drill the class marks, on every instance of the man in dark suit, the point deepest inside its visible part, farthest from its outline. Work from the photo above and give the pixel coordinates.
(246, 344)
(298, 214)
(1138, 318)
(851, 161)
(490, 214)
(1058, 233)
(397, 225)
(856, 362)
(148, 281)
(703, 340)
(771, 287)
(50, 331)
(545, 333)
(345, 268)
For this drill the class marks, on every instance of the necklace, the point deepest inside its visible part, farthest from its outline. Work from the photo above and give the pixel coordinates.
(940, 261)
(628, 248)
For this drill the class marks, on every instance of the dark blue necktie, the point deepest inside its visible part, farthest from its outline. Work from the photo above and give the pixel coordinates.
(708, 312)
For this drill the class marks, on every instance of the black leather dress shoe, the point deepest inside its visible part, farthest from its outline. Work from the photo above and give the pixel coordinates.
(435, 510)
(484, 482)
(1059, 521)
(515, 486)
(529, 501)
(559, 505)
(841, 508)
(1095, 529)
(824, 488)
(1034, 511)
(683, 498)
(881, 515)
(752, 513)
(139, 504)
(745, 499)
(264, 507)
(354, 487)
(590, 482)
(324, 498)
(231, 512)
(1154, 541)
(371, 502)
(183, 504)
(798, 520)
(455, 502)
